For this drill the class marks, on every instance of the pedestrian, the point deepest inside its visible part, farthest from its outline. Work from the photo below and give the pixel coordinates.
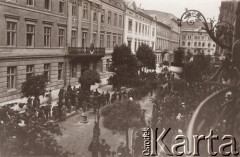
(108, 97)
(94, 147)
(104, 148)
(121, 150)
(60, 105)
(50, 96)
(47, 108)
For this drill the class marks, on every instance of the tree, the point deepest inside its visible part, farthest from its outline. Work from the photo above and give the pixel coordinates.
(88, 78)
(121, 116)
(146, 56)
(124, 65)
(26, 134)
(34, 86)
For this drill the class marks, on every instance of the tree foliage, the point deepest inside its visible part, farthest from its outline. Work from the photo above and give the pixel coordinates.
(88, 78)
(197, 69)
(146, 56)
(25, 134)
(34, 86)
(124, 65)
(121, 115)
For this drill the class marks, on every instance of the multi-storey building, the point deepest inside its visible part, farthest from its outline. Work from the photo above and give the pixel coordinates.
(168, 34)
(139, 27)
(60, 39)
(195, 41)
(33, 41)
(95, 27)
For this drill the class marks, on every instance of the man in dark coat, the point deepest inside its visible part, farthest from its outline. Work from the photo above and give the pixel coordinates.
(104, 149)
(121, 150)
(94, 147)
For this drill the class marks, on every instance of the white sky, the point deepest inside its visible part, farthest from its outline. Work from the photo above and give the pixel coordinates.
(209, 8)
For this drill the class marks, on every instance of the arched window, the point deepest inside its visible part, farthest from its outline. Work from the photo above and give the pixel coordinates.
(189, 43)
(203, 44)
(209, 44)
(183, 43)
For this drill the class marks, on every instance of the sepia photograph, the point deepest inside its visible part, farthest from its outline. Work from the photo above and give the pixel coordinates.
(119, 78)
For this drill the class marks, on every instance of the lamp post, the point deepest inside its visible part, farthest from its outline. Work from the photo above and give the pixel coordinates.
(227, 79)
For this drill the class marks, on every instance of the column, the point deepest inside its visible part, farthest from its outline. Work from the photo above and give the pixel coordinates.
(80, 17)
(99, 28)
(91, 26)
(69, 25)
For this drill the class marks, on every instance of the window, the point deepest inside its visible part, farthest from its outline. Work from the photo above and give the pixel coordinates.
(135, 46)
(61, 6)
(153, 32)
(108, 41)
(114, 41)
(47, 36)
(136, 28)
(61, 37)
(60, 71)
(74, 38)
(189, 37)
(203, 44)
(146, 30)
(140, 27)
(46, 71)
(11, 77)
(94, 39)
(30, 35)
(108, 64)
(84, 39)
(214, 45)
(103, 16)
(85, 10)
(74, 8)
(183, 37)
(47, 4)
(120, 21)
(209, 45)
(189, 44)
(129, 43)
(199, 43)
(129, 25)
(11, 33)
(94, 16)
(115, 19)
(143, 29)
(102, 40)
(119, 41)
(30, 2)
(183, 43)
(74, 70)
(109, 17)
(29, 71)
(195, 44)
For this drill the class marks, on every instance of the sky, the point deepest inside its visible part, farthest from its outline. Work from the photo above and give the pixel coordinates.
(209, 8)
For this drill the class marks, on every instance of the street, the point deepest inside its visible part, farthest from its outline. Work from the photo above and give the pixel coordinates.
(77, 136)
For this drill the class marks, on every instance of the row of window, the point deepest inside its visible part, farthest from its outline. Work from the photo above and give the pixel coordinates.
(47, 4)
(197, 44)
(140, 28)
(12, 73)
(30, 35)
(162, 44)
(198, 37)
(137, 43)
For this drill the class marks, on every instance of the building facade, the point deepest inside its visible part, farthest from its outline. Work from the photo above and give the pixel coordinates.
(194, 42)
(33, 41)
(60, 39)
(139, 27)
(168, 35)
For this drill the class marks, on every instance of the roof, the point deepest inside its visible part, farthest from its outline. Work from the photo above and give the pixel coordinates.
(163, 17)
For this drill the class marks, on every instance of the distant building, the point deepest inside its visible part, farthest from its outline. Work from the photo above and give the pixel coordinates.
(195, 41)
(168, 34)
(139, 27)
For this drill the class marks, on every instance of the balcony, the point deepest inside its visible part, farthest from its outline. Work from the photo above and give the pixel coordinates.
(87, 51)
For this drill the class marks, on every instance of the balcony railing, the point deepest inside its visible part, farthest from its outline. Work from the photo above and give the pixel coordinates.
(86, 51)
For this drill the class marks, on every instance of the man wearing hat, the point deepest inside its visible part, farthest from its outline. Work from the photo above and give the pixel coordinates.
(104, 148)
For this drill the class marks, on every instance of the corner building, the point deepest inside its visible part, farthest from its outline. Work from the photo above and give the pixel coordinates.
(32, 41)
